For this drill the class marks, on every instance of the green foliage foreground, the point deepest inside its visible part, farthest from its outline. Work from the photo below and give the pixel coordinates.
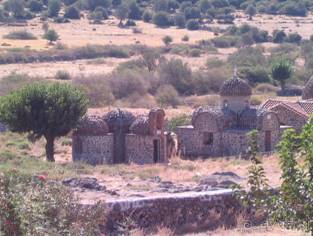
(43, 110)
(31, 205)
(292, 204)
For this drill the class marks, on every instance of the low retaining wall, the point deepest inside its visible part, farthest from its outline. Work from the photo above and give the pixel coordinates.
(181, 212)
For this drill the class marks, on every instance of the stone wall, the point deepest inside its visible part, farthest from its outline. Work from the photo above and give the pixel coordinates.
(235, 103)
(227, 143)
(181, 212)
(140, 149)
(191, 142)
(93, 149)
(286, 117)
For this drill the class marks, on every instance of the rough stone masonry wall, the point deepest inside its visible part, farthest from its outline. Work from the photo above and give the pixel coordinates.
(139, 149)
(93, 149)
(190, 143)
(184, 212)
(290, 118)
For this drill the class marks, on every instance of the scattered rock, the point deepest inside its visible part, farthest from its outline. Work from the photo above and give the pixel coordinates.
(84, 183)
(221, 179)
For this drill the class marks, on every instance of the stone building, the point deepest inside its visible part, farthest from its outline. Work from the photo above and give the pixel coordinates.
(222, 130)
(293, 114)
(120, 137)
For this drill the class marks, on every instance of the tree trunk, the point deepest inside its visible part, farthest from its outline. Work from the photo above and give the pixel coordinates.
(50, 149)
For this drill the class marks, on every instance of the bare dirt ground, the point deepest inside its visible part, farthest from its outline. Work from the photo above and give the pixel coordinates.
(81, 32)
(290, 24)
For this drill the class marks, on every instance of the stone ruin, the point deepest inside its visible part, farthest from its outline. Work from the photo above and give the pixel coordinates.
(120, 137)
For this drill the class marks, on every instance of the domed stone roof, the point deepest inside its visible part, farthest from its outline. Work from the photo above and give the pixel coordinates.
(92, 125)
(119, 118)
(140, 126)
(308, 90)
(235, 87)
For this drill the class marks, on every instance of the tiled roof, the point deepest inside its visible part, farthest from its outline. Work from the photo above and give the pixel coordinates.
(235, 87)
(302, 108)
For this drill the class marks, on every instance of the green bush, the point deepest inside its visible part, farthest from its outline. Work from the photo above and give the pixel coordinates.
(54, 8)
(176, 73)
(195, 52)
(72, 13)
(180, 20)
(179, 120)
(35, 6)
(279, 36)
(62, 75)
(185, 38)
(255, 74)
(147, 16)
(192, 13)
(32, 205)
(51, 35)
(167, 40)
(193, 24)
(161, 19)
(225, 41)
(20, 35)
(167, 96)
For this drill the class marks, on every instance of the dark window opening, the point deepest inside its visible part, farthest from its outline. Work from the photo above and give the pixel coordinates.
(207, 138)
(156, 150)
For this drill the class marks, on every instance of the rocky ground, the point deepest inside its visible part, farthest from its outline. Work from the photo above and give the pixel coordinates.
(91, 189)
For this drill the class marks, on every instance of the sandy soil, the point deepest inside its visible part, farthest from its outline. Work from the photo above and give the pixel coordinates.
(301, 25)
(80, 32)
(75, 68)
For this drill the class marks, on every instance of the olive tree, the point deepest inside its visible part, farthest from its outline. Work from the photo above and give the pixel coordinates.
(43, 110)
(251, 11)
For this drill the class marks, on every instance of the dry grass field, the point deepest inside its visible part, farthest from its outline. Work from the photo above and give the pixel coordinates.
(81, 32)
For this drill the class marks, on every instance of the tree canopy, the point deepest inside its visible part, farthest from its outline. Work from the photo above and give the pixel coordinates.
(43, 110)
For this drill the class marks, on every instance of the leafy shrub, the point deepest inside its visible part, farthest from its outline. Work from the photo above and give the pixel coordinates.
(167, 40)
(192, 24)
(14, 82)
(192, 13)
(185, 38)
(293, 8)
(62, 75)
(135, 12)
(294, 38)
(72, 13)
(279, 36)
(35, 206)
(177, 74)
(210, 81)
(54, 7)
(147, 16)
(97, 89)
(167, 96)
(266, 88)
(85, 52)
(179, 120)
(51, 35)
(195, 52)
(20, 35)
(246, 57)
(35, 5)
(255, 74)
(161, 19)
(180, 20)
(225, 41)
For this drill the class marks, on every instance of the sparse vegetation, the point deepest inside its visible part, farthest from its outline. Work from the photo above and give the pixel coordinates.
(21, 35)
